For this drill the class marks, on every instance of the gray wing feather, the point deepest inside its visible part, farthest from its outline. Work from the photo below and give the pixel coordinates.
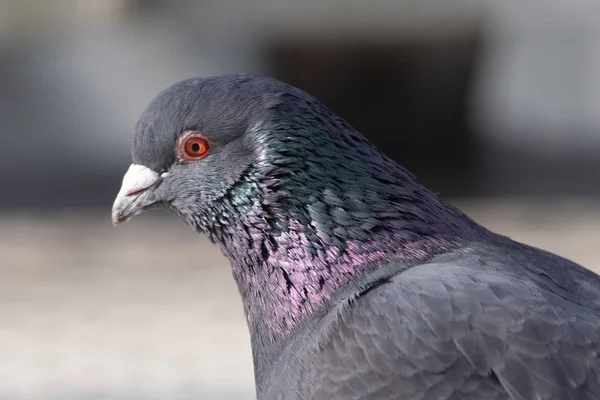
(448, 331)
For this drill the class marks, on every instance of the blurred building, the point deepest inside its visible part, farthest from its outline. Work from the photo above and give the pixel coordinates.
(474, 97)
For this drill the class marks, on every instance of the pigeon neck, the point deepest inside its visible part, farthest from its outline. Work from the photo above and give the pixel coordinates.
(291, 256)
(316, 214)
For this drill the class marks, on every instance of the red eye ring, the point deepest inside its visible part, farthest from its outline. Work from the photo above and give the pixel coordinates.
(192, 146)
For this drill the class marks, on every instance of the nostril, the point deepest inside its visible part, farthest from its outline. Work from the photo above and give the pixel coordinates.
(133, 191)
(137, 179)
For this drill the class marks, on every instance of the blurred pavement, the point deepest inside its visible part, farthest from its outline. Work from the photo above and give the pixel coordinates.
(150, 311)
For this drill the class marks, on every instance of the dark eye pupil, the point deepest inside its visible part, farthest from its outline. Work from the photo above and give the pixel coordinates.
(195, 147)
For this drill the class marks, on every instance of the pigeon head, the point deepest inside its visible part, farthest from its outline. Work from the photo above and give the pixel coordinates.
(192, 144)
(301, 203)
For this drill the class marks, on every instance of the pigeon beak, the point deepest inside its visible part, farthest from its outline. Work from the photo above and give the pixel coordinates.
(133, 196)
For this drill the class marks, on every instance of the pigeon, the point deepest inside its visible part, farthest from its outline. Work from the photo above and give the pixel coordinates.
(356, 281)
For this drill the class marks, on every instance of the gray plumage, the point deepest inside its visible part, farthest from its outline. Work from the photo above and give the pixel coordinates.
(357, 282)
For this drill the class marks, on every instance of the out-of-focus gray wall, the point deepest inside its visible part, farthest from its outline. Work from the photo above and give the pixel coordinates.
(514, 88)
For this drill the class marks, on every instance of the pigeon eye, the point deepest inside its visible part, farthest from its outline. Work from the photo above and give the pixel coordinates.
(192, 146)
(195, 147)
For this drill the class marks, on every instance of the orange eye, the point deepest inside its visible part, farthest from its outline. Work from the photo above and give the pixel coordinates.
(195, 147)
(192, 146)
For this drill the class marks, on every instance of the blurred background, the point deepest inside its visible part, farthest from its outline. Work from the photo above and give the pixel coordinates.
(495, 105)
